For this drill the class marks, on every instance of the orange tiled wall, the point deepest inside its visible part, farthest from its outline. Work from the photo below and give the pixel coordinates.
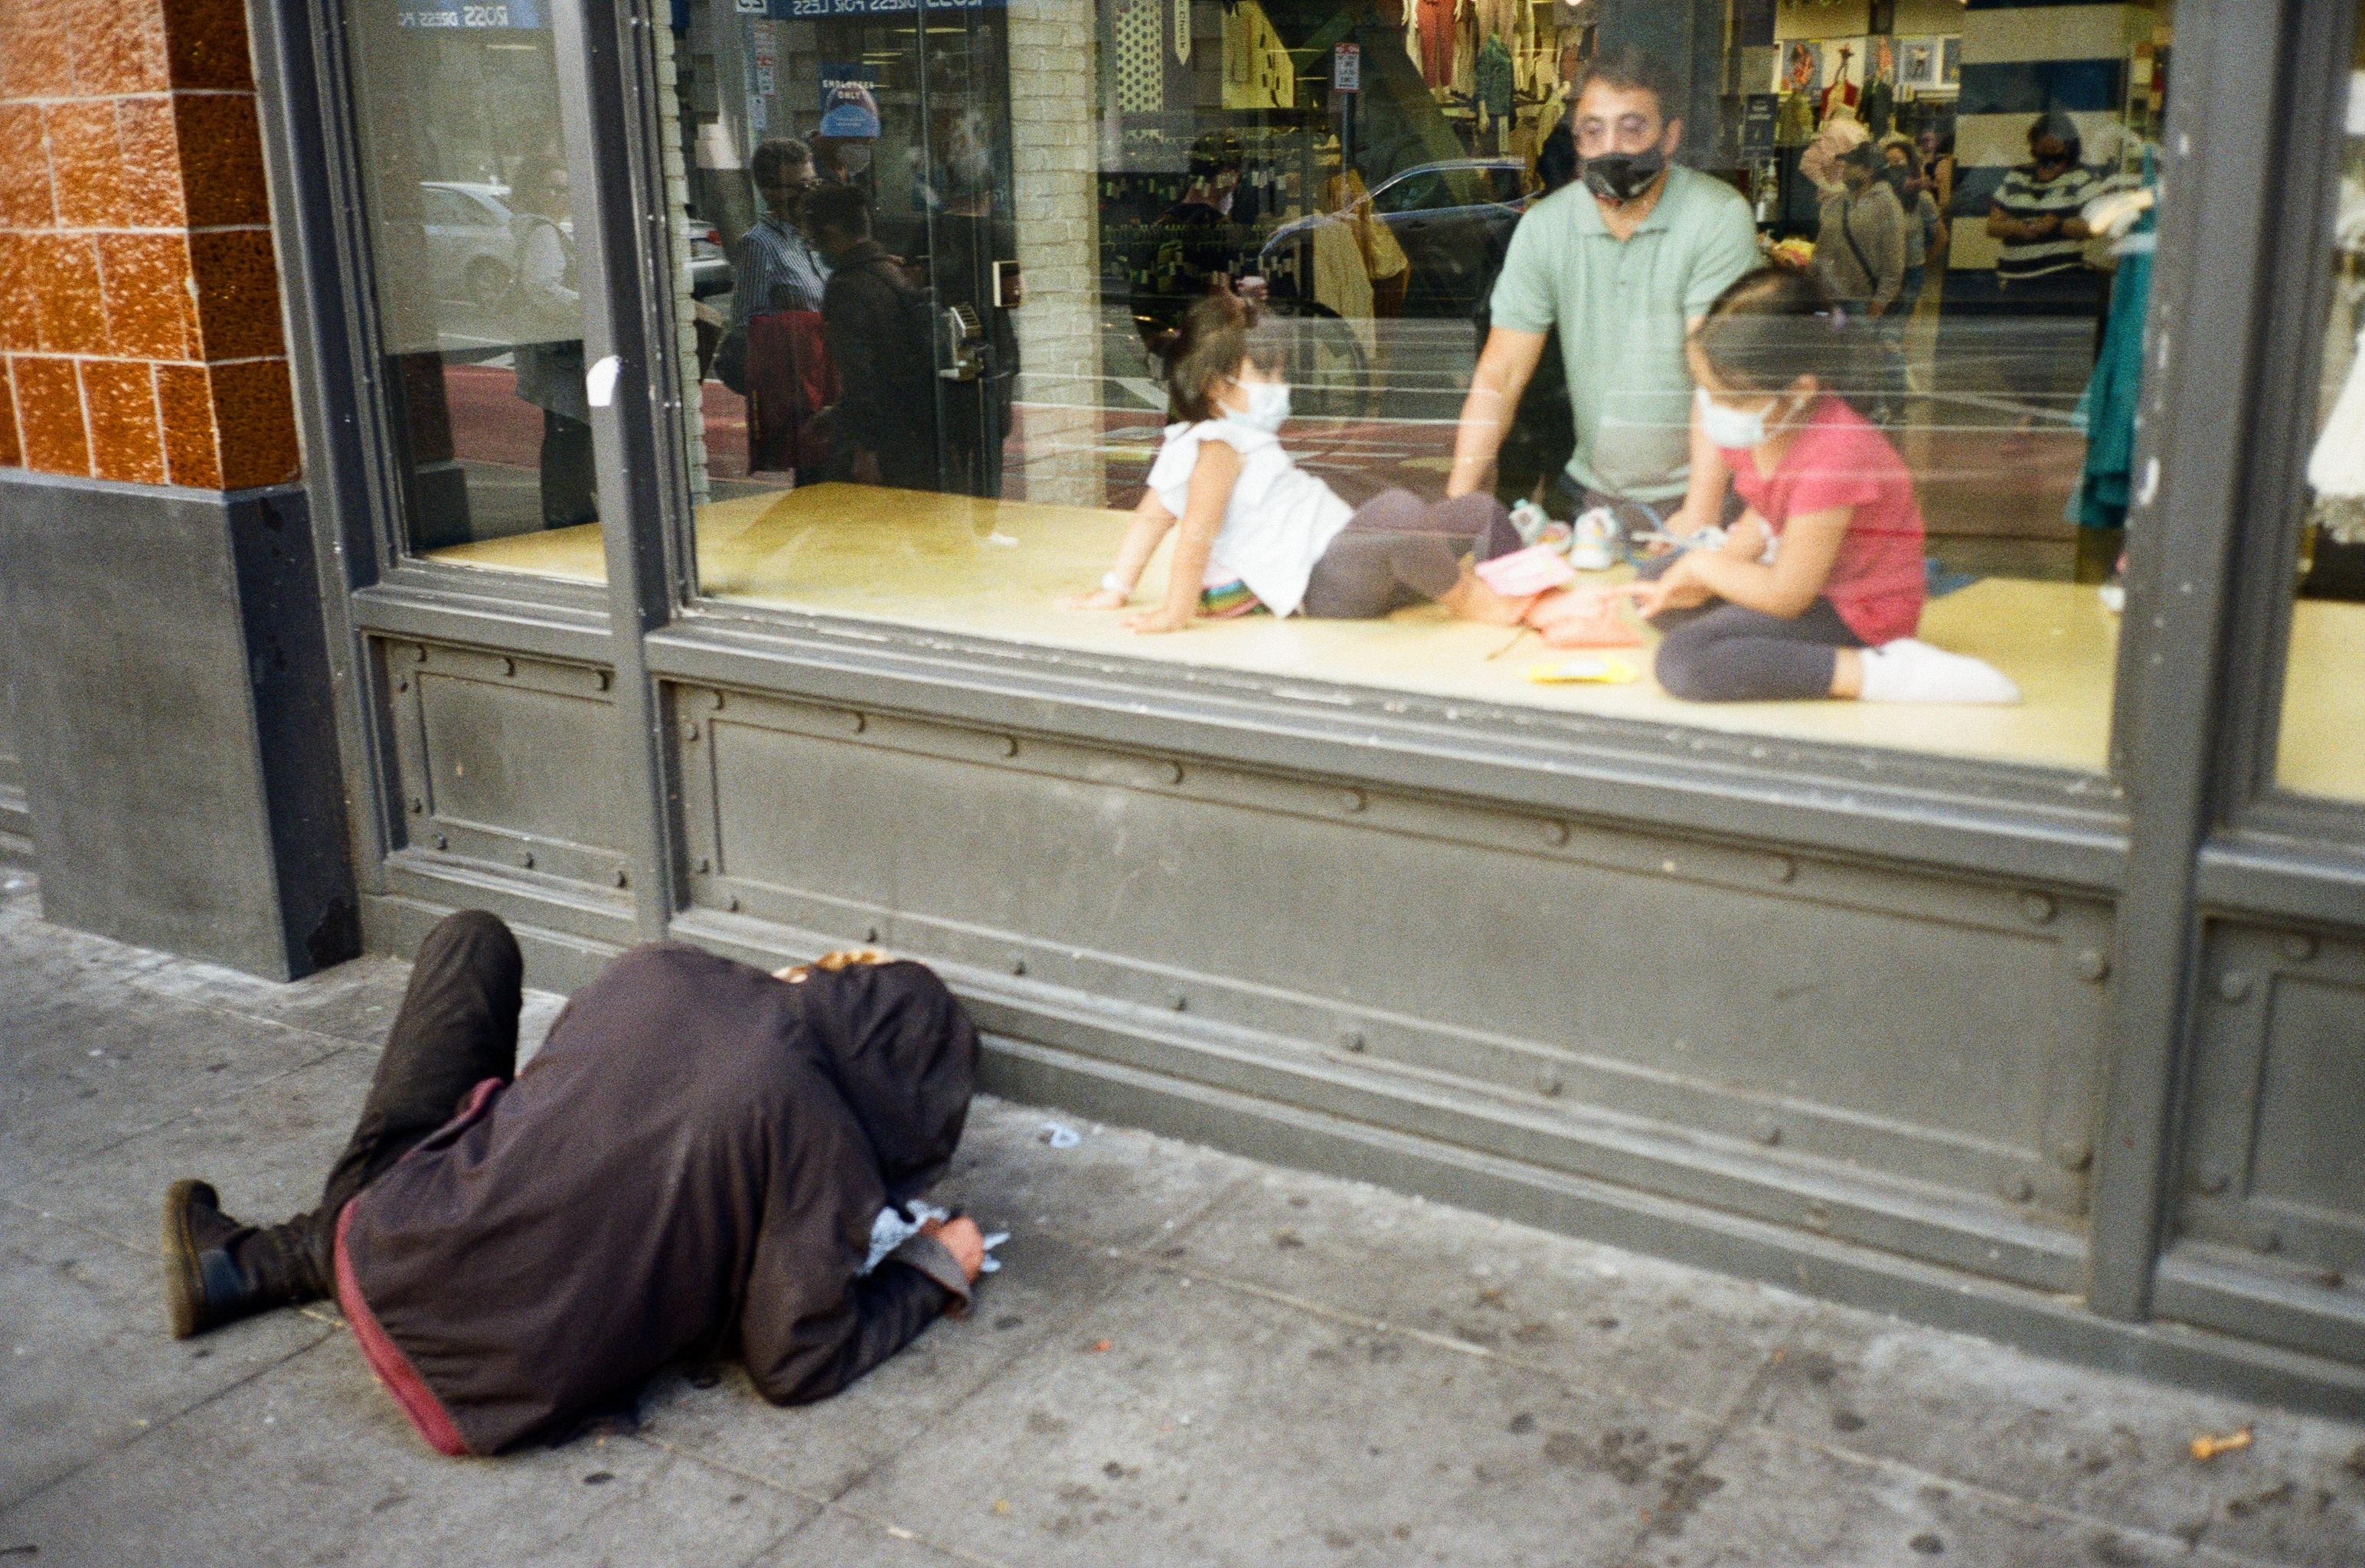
(138, 303)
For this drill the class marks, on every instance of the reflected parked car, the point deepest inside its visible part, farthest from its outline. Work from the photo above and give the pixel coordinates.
(471, 255)
(1452, 218)
(472, 249)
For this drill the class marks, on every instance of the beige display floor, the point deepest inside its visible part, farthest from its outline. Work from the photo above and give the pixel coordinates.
(996, 568)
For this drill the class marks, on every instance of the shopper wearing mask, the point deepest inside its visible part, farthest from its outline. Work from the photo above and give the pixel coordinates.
(1860, 250)
(1620, 265)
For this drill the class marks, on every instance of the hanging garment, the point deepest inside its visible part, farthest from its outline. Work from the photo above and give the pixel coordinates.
(1140, 58)
(1794, 122)
(1437, 42)
(2108, 408)
(2337, 467)
(1465, 50)
(1879, 108)
(1496, 87)
(789, 382)
(1341, 284)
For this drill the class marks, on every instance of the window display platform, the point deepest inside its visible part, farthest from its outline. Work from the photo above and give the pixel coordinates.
(996, 569)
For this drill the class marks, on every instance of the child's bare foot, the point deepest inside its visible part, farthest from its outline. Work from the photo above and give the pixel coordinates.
(1473, 600)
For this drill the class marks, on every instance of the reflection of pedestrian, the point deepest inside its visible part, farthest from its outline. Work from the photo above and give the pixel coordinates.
(1860, 250)
(971, 243)
(1194, 241)
(2041, 269)
(776, 266)
(680, 1172)
(881, 342)
(548, 320)
(773, 351)
(1543, 433)
(1926, 230)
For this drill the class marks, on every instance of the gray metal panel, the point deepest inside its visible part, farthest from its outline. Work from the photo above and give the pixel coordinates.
(173, 694)
(1710, 986)
(2274, 1162)
(507, 761)
(1942, 812)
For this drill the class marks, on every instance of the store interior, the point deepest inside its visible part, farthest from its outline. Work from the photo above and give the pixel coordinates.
(1366, 164)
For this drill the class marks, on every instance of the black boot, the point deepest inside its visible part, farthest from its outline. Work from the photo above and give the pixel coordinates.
(217, 1271)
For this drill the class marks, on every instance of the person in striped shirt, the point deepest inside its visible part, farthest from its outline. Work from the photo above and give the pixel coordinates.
(777, 267)
(2041, 269)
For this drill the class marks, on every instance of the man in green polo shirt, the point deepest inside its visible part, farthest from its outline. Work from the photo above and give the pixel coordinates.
(1621, 263)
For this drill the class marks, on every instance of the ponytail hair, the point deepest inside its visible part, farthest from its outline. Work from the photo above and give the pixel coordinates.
(1772, 326)
(1218, 334)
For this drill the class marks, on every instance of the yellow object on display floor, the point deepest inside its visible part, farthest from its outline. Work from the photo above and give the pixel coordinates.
(996, 569)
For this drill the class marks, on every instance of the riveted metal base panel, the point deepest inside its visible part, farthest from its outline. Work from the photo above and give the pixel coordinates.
(173, 719)
(2270, 1214)
(1847, 1026)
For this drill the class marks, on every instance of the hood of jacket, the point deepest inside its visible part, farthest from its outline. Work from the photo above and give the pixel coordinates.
(903, 1055)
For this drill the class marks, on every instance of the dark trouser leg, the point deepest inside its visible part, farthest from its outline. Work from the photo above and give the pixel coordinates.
(457, 1026)
(1729, 653)
(569, 490)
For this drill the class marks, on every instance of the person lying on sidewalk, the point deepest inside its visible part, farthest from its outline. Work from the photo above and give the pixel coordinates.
(1817, 591)
(694, 1162)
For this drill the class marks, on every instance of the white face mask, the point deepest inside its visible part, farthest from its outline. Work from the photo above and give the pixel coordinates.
(1268, 407)
(1728, 427)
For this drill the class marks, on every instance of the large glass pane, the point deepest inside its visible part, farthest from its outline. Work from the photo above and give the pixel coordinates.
(2324, 699)
(951, 420)
(472, 250)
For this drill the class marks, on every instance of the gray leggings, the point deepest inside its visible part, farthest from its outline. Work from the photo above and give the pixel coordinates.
(1399, 550)
(1721, 652)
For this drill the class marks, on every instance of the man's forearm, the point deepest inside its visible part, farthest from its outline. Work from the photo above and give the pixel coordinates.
(1704, 494)
(1486, 419)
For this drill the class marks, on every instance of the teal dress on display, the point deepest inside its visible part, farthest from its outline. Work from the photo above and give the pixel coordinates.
(2107, 411)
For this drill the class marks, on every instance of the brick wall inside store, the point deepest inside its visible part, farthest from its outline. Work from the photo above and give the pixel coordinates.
(1057, 221)
(140, 313)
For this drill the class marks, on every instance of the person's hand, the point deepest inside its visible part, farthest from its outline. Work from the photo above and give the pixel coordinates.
(1151, 621)
(1098, 599)
(960, 1237)
(1675, 588)
(1748, 537)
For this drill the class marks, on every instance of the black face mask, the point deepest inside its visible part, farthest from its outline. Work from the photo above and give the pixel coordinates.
(1623, 177)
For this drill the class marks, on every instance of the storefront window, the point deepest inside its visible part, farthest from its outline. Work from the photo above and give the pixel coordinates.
(935, 349)
(472, 246)
(2324, 701)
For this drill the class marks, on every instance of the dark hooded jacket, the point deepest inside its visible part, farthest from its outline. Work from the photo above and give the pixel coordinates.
(694, 1160)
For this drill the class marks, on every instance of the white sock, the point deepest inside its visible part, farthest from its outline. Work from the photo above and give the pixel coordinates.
(1911, 671)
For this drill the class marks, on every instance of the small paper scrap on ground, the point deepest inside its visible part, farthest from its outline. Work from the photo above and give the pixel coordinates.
(2207, 1446)
(1059, 1136)
(1100, 1345)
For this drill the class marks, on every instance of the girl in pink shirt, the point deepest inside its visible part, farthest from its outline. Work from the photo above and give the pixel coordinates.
(1817, 590)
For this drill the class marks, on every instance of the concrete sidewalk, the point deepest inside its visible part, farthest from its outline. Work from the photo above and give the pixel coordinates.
(1189, 1359)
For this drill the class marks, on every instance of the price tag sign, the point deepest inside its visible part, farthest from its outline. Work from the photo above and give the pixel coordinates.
(1347, 68)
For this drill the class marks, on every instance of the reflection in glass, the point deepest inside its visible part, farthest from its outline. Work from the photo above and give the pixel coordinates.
(958, 242)
(473, 267)
(2324, 701)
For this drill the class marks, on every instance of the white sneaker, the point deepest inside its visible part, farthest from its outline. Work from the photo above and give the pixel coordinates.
(1588, 546)
(1909, 670)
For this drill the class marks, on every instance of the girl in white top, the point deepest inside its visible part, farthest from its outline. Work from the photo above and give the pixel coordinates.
(1257, 531)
